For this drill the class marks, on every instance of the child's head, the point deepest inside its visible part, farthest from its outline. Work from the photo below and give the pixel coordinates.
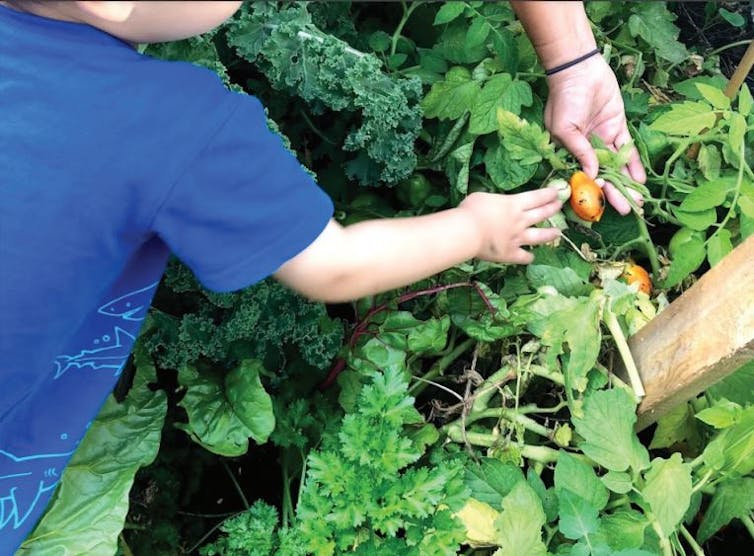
(137, 22)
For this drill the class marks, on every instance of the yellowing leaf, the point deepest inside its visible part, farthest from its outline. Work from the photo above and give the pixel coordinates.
(479, 520)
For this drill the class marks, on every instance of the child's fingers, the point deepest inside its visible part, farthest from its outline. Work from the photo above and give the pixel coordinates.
(538, 236)
(540, 213)
(520, 256)
(537, 198)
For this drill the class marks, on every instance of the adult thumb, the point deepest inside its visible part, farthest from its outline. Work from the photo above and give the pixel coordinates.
(579, 146)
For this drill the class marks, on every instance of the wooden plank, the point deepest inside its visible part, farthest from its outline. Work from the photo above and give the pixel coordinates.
(700, 338)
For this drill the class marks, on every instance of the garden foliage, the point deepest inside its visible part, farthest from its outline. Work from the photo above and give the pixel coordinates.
(475, 411)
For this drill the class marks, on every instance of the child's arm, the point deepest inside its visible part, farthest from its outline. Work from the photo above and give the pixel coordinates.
(379, 255)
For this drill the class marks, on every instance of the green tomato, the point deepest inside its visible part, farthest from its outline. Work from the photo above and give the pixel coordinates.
(414, 190)
(562, 187)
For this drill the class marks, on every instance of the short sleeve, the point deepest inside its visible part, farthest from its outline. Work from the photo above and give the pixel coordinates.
(244, 206)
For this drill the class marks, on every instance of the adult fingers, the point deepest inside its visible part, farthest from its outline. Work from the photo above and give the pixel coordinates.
(618, 201)
(634, 166)
(579, 146)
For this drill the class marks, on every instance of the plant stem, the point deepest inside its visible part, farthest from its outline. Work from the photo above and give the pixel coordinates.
(397, 33)
(124, 546)
(235, 483)
(552, 376)
(502, 413)
(440, 366)
(698, 551)
(749, 524)
(620, 341)
(742, 70)
(667, 550)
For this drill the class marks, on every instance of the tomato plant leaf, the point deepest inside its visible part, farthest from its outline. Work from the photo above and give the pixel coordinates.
(731, 452)
(519, 527)
(525, 141)
(709, 161)
(500, 91)
(578, 517)
(718, 246)
(667, 490)
(732, 499)
(578, 477)
(607, 429)
(686, 118)
(745, 100)
(707, 195)
(721, 415)
(448, 12)
(450, 98)
(688, 88)
(492, 480)
(623, 529)
(714, 96)
(653, 22)
(504, 171)
(617, 481)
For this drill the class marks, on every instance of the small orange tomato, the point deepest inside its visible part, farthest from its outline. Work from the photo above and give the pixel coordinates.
(635, 274)
(587, 198)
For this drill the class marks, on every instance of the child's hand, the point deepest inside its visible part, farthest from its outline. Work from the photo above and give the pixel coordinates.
(506, 222)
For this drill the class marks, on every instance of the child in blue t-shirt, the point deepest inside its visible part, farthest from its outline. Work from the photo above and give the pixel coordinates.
(111, 161)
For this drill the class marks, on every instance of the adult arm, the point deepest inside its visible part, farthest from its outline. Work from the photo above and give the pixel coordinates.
(584, 98)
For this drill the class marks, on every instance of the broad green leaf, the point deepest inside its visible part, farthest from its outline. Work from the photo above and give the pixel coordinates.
(607, 428)
(579, 478)
(709, 161)
(688, 88)
(492, 480)
(472, 315)
(565, 280)
(457, 167)
(519, 527)
(732, 499)
(687, 257)
(430, 336)
(617, 481)
(696, 220)
(738, 387)
(707, 195)
(673, 427)
(667, 490)
(573, 322)
(546, 495)
(477, 32)
(212, 421)
(624, 529)
(714, 96)
(731, 452)
(249, 400)
(718, 246)
(578, 518)
(721, 415)
(89, 507)
(506, 48)
(745, 101)
(383, 356)
(448, 12)
(653, 22)
(737, 133)
(525, 141)
(505, 172)
(499, 91)
(734, 18)
(686, 118)
(450, 98)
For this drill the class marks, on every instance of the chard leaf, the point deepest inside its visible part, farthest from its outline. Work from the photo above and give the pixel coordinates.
(89, 508)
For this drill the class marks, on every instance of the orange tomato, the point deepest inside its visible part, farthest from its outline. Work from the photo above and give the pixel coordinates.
(587, 198)
(635, 274)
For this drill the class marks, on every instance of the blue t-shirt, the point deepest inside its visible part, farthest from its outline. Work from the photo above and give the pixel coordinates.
(110, 161)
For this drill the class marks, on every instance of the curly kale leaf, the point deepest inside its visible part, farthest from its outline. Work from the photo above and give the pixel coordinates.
(328, 74)
(266, 320)
(365, 491)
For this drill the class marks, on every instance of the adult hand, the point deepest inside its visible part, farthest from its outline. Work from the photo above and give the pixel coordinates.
(585, 99)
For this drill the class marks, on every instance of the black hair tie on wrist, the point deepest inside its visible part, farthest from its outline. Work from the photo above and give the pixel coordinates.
(572, 63)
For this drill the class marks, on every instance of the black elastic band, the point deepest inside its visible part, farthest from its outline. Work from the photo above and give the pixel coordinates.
(567, 65)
